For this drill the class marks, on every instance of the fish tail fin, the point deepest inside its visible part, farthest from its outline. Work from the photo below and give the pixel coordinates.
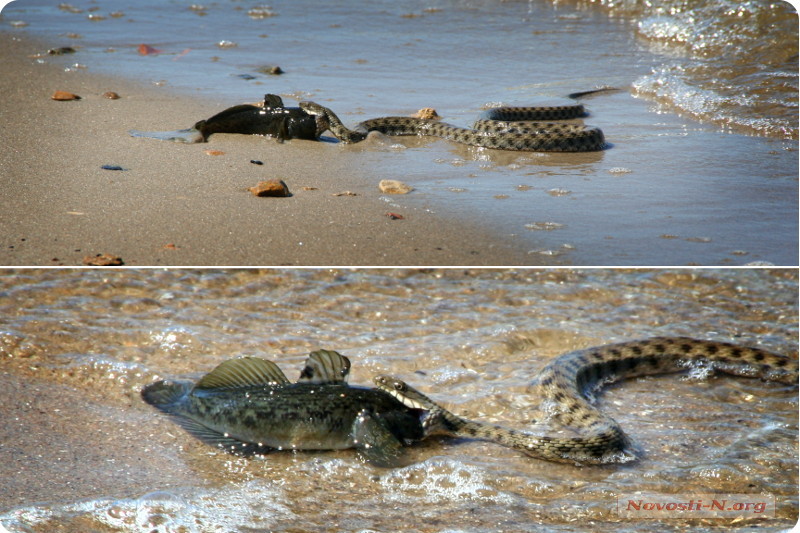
(169, 396)
(164, 395)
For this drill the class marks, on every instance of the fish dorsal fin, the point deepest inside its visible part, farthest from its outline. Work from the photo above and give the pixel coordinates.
(271, 101)
(325, 366)
(243, 372)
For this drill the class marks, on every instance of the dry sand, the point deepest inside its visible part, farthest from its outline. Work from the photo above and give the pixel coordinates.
(174, 204)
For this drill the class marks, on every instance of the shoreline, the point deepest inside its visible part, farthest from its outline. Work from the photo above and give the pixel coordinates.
(175, 205)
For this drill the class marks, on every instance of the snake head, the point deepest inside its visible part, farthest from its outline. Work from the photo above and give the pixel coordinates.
(390, 384)
(312, 108)
(433, 417)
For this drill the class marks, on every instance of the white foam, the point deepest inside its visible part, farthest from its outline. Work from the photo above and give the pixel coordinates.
(253, 505)
(441, 479)
(173, 338)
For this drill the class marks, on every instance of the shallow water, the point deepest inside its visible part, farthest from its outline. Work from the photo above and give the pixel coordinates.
(701, 56)
(715, 184)
(83, 452)
(729, 62)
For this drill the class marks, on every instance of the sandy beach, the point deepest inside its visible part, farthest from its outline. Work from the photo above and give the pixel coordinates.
(175, 205)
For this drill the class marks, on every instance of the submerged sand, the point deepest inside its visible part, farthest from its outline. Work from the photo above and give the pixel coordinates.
(175, 205)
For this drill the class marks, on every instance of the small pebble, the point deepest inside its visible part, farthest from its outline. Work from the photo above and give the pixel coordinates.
(395, 216)
(111, 95)
(427, 113)
(112, 167)
(214, 152)
(146, 50)
(275, 188)
(256, 162)
(64, 96)
(103, 260)
(273, 70)
(61, 51)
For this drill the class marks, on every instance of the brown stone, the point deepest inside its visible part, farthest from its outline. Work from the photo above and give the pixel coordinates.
(146, 50)
(64, 96)
(111, 95)
(427, 113)
(270, 188)
(273, 70)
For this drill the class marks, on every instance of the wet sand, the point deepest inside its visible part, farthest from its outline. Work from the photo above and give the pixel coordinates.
(174, 204)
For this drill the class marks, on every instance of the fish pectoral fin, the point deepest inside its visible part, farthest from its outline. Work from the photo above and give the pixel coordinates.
(220, 440)
(242, 372)
(283, 132)
(325, 366)
(375, 442)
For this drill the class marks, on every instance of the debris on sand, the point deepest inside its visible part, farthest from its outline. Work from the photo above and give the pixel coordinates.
(103, 260)
(273, 187)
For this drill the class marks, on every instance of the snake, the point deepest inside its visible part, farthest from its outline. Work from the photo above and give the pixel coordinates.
(503, 128)
(567, 426)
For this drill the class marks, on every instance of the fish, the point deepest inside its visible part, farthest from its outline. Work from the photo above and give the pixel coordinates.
(246, 406)
(273, 119)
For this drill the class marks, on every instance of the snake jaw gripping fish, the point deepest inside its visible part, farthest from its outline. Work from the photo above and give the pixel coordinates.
(567, 427)
(247, 406)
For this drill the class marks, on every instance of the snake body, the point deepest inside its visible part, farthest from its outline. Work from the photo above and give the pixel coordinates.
(504, 128)
(567, 426)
